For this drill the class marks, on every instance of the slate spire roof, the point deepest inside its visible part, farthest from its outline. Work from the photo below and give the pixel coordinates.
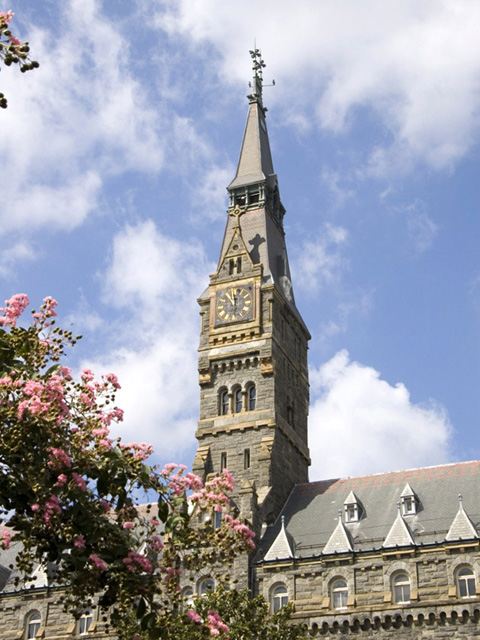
(462, 527)
(399, 534)
(339, 541)
(283, 546)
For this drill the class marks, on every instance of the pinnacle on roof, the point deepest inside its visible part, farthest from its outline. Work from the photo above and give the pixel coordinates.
(283, 546)
(339, 541)
(462, 527)
(399, 534)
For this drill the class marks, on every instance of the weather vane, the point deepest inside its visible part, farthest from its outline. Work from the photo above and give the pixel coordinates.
(258, 66)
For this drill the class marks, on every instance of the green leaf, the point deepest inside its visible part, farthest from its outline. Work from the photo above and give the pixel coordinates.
(141, 608)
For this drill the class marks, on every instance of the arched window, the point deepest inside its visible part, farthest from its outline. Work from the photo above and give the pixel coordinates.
(223, 403)
(251, 398)
(466, 583)
(187, 597)
(279, 597)
(238, 400)
(339, 594)
(206, 586)
(85, 622)
(401, 587)
(33, 625)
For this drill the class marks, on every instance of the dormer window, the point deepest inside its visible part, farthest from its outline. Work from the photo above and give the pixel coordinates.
(408, 501)
(353, 508)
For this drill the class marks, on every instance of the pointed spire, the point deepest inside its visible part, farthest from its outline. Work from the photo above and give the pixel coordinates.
(399, 534)
(339, 541)
(283, 546)
(462, 527)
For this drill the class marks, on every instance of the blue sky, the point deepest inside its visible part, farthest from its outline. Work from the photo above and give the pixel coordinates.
(116, 155)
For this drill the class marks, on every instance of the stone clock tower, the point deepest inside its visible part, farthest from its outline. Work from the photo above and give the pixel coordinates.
(253, 346)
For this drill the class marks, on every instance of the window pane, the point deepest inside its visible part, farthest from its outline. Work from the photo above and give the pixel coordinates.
(466, 583)
(339, 594)
(33, 625)
(280, 597)
(252, 397)
(401, 588)
(238, 400)
(224, 403)
(206, 585)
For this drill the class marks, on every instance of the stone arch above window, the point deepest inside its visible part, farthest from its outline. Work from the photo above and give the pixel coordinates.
(465, 582)
(205, 586)
(32, 624)
(187, 598)
(279, 596)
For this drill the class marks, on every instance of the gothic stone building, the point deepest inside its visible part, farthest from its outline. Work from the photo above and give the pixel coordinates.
(393, 555)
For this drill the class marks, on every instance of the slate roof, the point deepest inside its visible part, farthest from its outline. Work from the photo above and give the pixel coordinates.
(311, 511)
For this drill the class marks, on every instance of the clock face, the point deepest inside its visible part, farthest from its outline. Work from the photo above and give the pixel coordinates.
(234, 304)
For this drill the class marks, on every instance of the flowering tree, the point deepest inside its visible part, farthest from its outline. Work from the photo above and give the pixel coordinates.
(12, 50)
(69, 492)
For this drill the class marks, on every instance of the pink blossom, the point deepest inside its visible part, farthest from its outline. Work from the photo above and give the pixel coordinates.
(128, 525)
(87, 375)
(103, 431)
(79, 481)
(6, 381)
(5, 541)
(14, 41)
(112, 379)
(58, 458)
(193, 615)
(61, 480)
(98, 562)
(16, 305)
(79, 542)
(137, 562)
(35, 507)
(216, 624)
(156, 543)
(5, 17)
(105, 443)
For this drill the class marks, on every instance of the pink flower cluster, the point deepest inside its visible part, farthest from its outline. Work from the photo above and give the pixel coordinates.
(43, 396)
(52, 506)
(245, 532)
(79, 481)
(139, 450)
(58, 458)
(5, 539)
(193, 615)
(215, 624)
(98, 562)
(6, 16)
(48, 307)
(135, 562)
(15, 306)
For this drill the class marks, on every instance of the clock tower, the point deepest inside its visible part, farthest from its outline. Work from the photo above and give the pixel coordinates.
(253, 375)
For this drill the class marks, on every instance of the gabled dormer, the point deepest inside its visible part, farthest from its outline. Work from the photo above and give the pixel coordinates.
(353, 508)
(409, 501)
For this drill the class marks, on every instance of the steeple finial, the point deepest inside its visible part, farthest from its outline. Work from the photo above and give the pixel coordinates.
(258, 66)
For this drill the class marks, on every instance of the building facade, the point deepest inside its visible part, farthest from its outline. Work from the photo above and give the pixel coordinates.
(394, 555)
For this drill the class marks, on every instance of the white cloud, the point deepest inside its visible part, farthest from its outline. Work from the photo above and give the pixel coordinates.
(360, 424)
(416, 65)
(17, 252)
(153, 281)
(82, 116)
(320, 261)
